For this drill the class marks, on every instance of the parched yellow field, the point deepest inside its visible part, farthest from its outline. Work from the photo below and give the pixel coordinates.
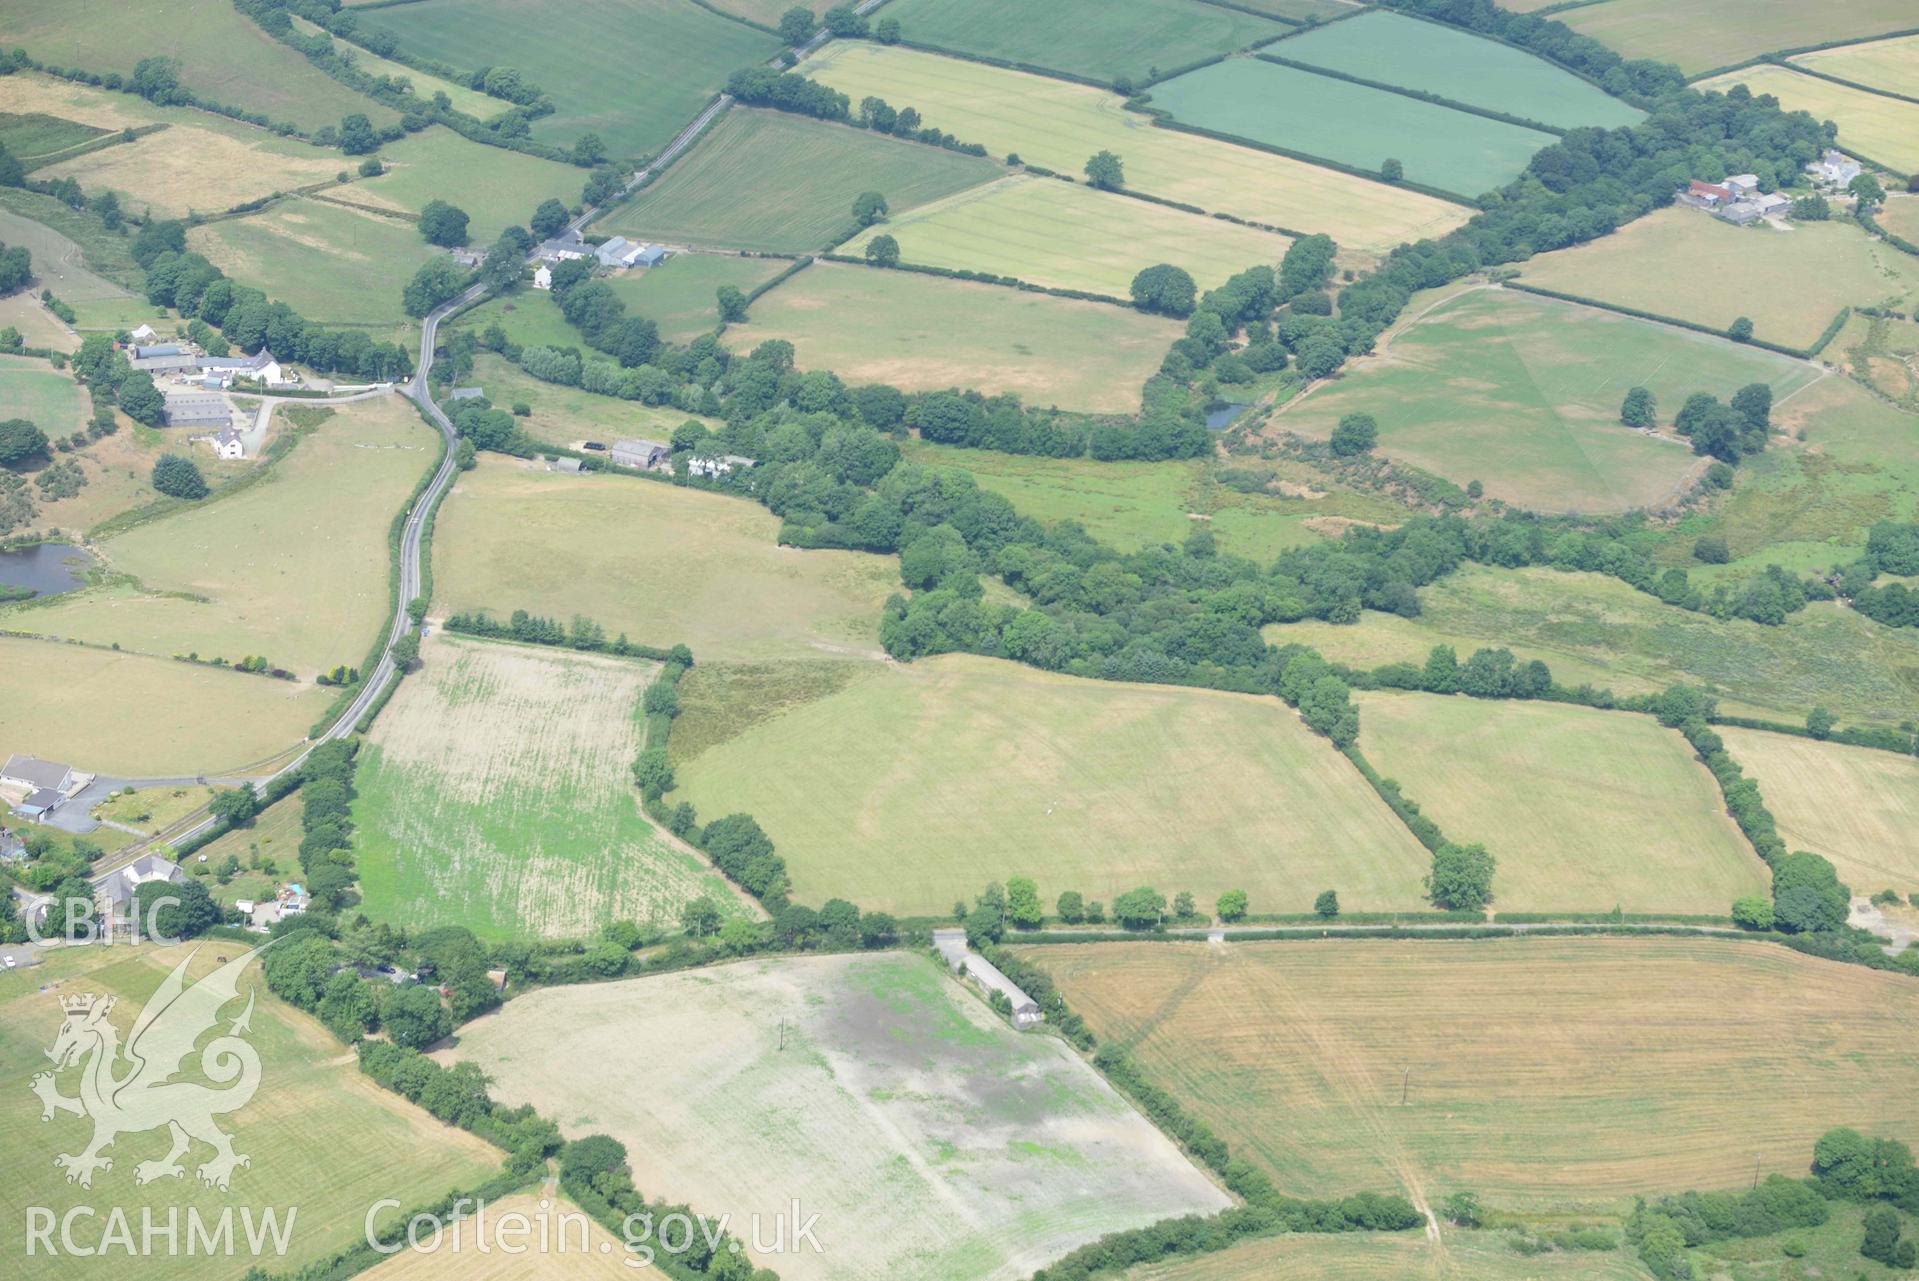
(1700, 35)
(1884, 129)
(1071, 237)
(926, 333)
(558, 1242)
(664, 565)
(1059, 125)
(38, 327)
(916, 785)
(1390, 1256)
(136, 716)
(494, 793)
(1857, 806)
(199, 162)
(1883, 64)
(1585, 810)
(294, 567)
(1901, 215)
(1686, 264)
(1535, 1072)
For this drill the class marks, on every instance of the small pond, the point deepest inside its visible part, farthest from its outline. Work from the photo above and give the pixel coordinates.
(1221, 418)
(47, 568)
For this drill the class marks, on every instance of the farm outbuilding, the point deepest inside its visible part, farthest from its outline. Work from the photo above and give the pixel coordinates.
(198, 409)
(643, 454)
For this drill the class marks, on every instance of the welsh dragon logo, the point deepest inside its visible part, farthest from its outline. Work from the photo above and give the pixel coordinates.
(129, 1090)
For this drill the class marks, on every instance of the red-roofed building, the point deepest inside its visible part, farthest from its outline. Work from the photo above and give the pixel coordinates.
(1705, 195)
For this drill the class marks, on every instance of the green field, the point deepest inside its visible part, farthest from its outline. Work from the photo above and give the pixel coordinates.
(494, 794)
(1059, 125)
(1067, 236)
(472, 101)
(922, 333)
(1133, 505)
(663, 564)
(1589, 628)
(1857, 806)
(1562, 1074)
(324, 1143)
(221, 54)
(1522, 393)
(715, 195)
(292, 567)
(328, 262)
(1884, 129)
(1103, 40)
(1885, 64)
(496, 187)
(567, 416)
(635, 72)
(36, 136)
(767, 12)
(934, 1142)
(530, 318)
(1389, 48)
(1383, 1256)
(1682, 263)
(678, 295)
(1337, 120)
(988, 770)
(1585, 810)
(1704, 35)
(44, 396)
(59, 263)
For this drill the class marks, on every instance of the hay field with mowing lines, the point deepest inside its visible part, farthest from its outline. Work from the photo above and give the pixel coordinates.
(1704, 35)
(922, 333)
(1585, 810)
(632, 71)
(663, 564)
(1352, 124)
(1537, 1072)
(1885, 64)
(1885, 129)
(678, 295)
(1383, 1256)
(319, 1135)
(293, 567)
(1103, 40)
(1523, 393)
(329, 263)
(1058, 125)
(1683, 263)
(494, 793)
(1589, 628)
(984, 769)
(1390, 48)
(935, 1143)
(716, 195)
(1856, 806)
(497, 188)
(75, 703)
(1071, 237)
(561, 1243)
(1132, 505)
(221, 54)
(198, 162)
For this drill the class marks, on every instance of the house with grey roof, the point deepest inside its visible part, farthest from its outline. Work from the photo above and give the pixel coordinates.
(230, 445)
(260, 365)
(36, 788)
(467, 393)
(115, 890)
(1835, 167)
(568, 244)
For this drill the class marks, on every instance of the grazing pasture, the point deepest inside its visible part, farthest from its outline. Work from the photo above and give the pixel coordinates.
(472, 101)
(1130, 505)
(1682, 263)
(1892, 65)
(1884, 129)
(678, 295)
(567, 416)
(1703, 35)
(1901, 215)
(530, 318)
(293, 567)
(923, 333)
(35, 138)
(318, 1135)
(984, 769)
(198, 162)
(497, 188)
(331, 263)
(30, 219)
(1539, 1073)
(1300, 11)
(1104, 40)
(1390, 48)
(1857, 806)
(934, 1142)
(1390, 1256)
(1585, 810)
(1522, 393)
(219, 52)
(1597, 630)
(1337, 120)
(632, 71)
(1052, 123)
(716, 194)
(47, 397)
(665, 565)
(1068, 236)
(767, 12)
(494, 793)
(38, 327)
